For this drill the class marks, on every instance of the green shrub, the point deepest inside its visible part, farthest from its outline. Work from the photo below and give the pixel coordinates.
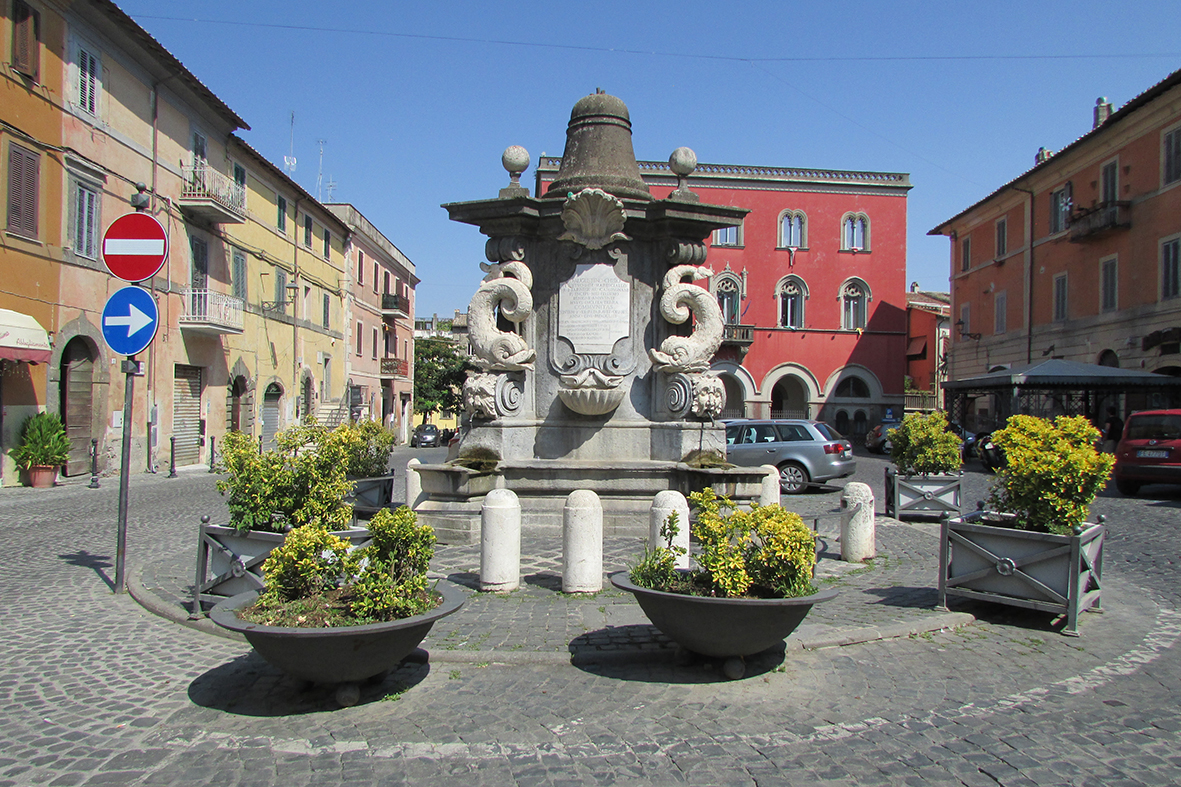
(658, 567)
(369, 446)
(767, 552)
(922, 445)
(1053, 474)
(302, 481)
(43, 442)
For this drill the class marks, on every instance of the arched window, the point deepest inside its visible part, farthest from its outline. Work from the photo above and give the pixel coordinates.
(855, 232)
(729, 294)
(792, 294)
(852, 388)
(793, 228)
(854, 297)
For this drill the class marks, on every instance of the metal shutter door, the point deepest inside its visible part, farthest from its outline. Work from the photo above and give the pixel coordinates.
(186, 414)
(270, 418)
(78, 408)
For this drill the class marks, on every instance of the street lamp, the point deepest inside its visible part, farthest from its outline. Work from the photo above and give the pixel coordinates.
(959, 325)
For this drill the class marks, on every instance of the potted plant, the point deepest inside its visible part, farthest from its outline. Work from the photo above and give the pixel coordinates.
(43, 448)
(270, 493)
(1033, 547)
(926, 475)
(368, 466)
(752, 587)
(336, 613)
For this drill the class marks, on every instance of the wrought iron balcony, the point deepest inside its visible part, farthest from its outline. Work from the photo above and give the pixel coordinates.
(395, 367)
(212, 312)
(394, 304)
(1098, 221)
(739, 335)
(212, 196)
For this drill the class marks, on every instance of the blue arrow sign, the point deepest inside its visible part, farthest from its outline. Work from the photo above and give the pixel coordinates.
(130, 320)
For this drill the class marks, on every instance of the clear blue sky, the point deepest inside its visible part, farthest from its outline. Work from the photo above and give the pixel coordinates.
(416, 101)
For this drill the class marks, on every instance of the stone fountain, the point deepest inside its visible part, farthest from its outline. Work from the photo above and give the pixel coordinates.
(593, 343)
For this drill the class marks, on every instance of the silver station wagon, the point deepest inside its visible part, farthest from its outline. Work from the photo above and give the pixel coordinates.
(806, 452)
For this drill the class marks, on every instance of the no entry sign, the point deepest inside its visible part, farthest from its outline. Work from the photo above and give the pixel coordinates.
(135, 247)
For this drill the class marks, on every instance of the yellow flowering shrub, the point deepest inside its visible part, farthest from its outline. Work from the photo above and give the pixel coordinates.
(309, 561)
(1053, 474)
(921, 444)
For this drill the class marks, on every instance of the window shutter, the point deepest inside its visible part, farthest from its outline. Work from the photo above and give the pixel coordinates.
(23, 168)
(87, 81)
(25, 50)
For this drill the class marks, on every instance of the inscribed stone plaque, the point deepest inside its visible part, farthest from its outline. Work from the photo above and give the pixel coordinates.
(594, 309)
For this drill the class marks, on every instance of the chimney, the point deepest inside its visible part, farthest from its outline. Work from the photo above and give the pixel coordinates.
(1042, 155)
(914, 286)
(1102, 111)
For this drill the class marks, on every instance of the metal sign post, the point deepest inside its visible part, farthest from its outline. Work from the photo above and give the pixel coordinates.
(130, 369)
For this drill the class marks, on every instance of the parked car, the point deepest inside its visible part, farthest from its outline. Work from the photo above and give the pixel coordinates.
(877, 440)
(806, 452)
(1149, 452)
(425, 436)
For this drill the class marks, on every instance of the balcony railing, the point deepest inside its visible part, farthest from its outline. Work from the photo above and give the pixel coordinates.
(392, 302)
(395, 367)
(743, 335)
(1094, 222)
(920, 401)
(212, 195)
(207, 311)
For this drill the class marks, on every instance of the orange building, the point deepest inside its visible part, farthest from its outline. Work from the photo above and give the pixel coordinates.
(1079, 257)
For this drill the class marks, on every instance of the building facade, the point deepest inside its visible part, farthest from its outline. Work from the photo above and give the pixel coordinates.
(811, 286)
(253, 294)
(1079, 257)
(928, 332)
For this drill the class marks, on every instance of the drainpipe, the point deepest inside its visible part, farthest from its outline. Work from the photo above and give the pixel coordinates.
(1029, 283)
(294, 298)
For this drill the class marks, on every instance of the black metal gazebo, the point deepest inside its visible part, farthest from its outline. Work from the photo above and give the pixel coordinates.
(1056, 387)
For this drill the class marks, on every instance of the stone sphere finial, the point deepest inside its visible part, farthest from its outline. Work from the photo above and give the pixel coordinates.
(516, 160)
(683, 161)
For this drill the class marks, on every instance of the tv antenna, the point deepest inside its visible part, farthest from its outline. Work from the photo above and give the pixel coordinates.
(320, 171)
(331, 187)
(289, 161)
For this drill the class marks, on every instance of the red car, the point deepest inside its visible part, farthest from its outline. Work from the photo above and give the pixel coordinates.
(1150, 451)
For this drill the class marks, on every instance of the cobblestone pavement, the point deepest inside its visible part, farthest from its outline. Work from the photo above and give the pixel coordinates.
(96, 690)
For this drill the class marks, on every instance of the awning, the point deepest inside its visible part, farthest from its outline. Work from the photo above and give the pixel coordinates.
(22, 338)
(917, 346)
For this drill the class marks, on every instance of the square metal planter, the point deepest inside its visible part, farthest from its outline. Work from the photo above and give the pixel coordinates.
(1041, 571)
(927, 495)
(230, 561)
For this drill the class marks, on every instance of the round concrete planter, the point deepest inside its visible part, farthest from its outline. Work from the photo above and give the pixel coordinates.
(722, 627)
(344, 655)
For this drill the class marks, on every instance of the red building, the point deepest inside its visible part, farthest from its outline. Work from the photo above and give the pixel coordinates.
(812, 287)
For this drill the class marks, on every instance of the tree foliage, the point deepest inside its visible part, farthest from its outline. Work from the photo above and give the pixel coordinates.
(439, 373)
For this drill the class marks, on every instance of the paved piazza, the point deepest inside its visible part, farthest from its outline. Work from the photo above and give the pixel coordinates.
(540, 688)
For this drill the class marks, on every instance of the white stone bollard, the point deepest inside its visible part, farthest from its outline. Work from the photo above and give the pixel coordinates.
(500, 541)
(413, 483)
(582, 543)
(664, 504)
(770, 492)
(857, 529)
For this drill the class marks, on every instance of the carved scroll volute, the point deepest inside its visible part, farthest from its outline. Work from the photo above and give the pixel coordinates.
(507, 287)
(680, 301)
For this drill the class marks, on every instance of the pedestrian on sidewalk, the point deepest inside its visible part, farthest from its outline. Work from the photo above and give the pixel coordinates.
(1113, 430)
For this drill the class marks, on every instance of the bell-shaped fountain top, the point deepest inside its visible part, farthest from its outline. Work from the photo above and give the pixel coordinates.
(599, 151)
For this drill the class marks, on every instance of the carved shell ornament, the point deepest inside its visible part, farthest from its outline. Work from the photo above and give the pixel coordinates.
(680, 301)
(507, 287)
(593, 218)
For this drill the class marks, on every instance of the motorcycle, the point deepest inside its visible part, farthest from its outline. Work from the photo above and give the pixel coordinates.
(991, 455)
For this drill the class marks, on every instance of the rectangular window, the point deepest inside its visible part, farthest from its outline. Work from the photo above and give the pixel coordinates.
(85, 224)
(200, 148)
(24, 167)
(387, 283)
(327, 243)
(1108, 284)
(307, 231)
(240, 174)
(1000, 309)
(1060, 209)
(726, 236)
(965, 254)
(26, 39)
(375, 275)
(1172, 156)
(360, 339)
(360, 268)
(280, 290)
(1002, 237)
(1060, 297)
(1170, 258)
(281, 216)
(238, 274)
(375, 344)
(1109, 177)
(327, 310)
(89, 76)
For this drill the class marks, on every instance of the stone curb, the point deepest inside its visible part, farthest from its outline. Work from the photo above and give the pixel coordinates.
(158, 606)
